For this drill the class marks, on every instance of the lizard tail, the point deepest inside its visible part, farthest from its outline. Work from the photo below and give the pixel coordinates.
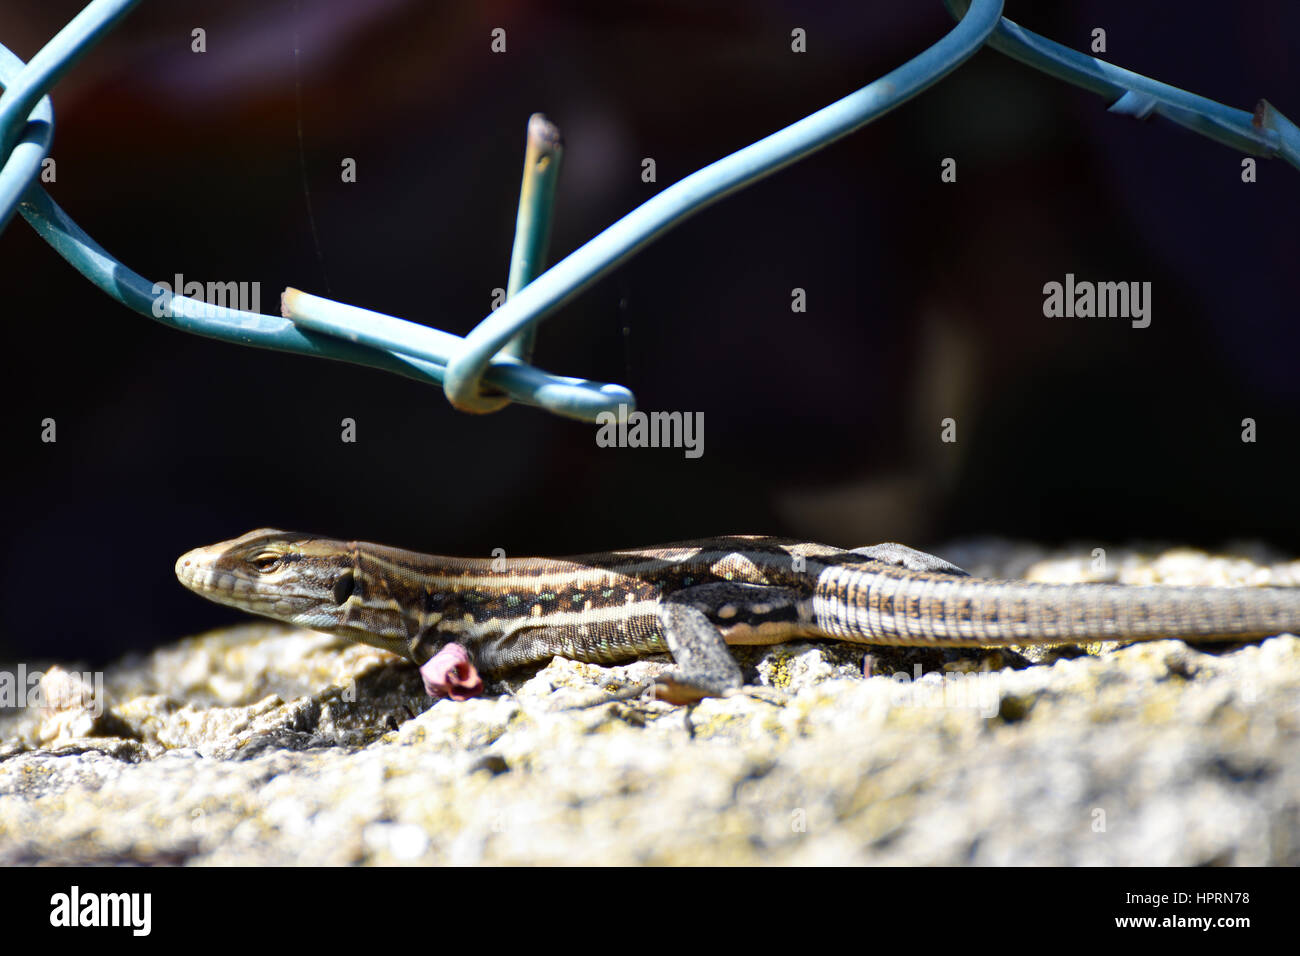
(954, 611)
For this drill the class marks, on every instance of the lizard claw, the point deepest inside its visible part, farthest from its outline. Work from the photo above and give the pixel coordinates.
(671, 692)
(675, 690)
(450, 673)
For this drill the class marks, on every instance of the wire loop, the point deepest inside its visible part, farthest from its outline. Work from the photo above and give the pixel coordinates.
(488, 368)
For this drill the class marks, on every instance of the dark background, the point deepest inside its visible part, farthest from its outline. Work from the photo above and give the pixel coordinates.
(924, 299)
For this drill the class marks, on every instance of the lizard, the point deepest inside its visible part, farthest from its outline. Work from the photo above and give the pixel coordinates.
(458, 619)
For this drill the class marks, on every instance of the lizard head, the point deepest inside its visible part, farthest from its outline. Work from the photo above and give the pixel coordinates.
(319, 583)
(266, 571)
(298, 578)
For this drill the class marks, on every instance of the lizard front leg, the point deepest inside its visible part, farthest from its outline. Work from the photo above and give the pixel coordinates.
(451, 673)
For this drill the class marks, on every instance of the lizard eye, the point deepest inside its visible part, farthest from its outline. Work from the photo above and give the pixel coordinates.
(267, 561)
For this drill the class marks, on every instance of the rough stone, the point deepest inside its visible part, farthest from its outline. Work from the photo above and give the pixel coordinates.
(261, 745)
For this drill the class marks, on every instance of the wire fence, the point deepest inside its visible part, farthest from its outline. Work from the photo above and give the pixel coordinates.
(490, 367)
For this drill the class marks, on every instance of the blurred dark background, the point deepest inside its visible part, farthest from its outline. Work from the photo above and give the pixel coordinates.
(924, 299)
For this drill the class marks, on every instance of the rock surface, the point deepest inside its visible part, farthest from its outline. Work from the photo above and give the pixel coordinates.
(261, 745)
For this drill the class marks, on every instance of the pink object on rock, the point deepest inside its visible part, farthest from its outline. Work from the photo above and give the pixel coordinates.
(450, 673)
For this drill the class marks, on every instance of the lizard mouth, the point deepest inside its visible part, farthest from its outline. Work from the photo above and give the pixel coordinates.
(198, 571)
(193, 572)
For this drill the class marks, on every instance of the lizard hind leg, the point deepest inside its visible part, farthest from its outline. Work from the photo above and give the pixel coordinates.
(902, 556)
(705, 667)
